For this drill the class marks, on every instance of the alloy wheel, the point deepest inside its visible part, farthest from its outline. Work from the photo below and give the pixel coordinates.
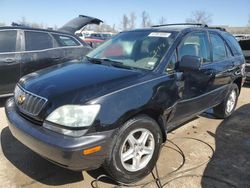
(231, 101)
(137, 149)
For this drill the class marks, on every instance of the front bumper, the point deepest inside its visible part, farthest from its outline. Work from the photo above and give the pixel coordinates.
(63, 150)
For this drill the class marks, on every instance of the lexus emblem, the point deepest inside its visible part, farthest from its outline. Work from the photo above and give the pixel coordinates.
(21, 99)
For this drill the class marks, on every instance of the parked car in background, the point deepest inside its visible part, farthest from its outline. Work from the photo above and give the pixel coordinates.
(115, 108)
(93, 38)
(245, 46)
(93, 42)
(24, 50)
(107, 35)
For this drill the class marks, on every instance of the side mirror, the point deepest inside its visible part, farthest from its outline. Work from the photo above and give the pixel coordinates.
(190, 63)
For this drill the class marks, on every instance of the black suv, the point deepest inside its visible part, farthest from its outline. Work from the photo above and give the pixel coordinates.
(114, 108)
(24, 50)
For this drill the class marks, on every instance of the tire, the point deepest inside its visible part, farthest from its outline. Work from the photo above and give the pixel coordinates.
(227, 107)
(128, 140)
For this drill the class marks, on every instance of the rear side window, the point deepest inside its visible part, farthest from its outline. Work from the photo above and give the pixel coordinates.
(245, 44)
(234, 45)
(8, 41)
(196, 44)
(63, 40)
(37, 41)
(218, 47)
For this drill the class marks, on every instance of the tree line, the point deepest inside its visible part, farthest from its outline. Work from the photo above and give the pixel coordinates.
(131, 21)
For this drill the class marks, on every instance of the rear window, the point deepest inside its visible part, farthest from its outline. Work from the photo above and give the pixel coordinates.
(234, 45)
(63, 40)
(37, 41)
(8, 41)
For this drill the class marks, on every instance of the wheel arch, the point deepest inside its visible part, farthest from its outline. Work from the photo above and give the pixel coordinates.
(156, 115)
(238, 82)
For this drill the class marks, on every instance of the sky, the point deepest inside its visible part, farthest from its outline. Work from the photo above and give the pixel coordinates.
(58, 12)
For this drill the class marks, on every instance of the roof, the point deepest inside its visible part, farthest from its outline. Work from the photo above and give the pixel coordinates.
(31, 28)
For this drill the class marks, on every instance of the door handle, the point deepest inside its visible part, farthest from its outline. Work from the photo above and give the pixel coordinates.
(9, 60)
(56, 58)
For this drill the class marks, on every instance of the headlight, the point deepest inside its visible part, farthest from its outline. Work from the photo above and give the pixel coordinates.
(74, 116)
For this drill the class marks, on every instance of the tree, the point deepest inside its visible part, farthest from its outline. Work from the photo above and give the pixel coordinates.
(2, 24)
(200, 16)
(100, 28)
(132, 20)
(24, 22)
(146, 21)
(125, 22)
(249, 20)
(162, 20)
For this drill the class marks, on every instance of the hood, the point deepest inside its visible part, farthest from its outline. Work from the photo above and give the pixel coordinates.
(77, 23)
(77, 83)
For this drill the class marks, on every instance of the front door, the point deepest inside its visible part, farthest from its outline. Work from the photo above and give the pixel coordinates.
(196, 84)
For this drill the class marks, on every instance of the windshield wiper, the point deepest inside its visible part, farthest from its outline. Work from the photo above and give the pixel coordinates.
(109, 62)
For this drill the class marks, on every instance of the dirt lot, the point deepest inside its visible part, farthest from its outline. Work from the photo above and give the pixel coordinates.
(206, 152)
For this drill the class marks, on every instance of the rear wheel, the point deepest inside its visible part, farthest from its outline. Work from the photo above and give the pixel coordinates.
(135, 151)
(227, 107)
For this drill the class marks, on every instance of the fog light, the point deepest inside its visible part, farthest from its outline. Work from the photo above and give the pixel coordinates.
(92, 150)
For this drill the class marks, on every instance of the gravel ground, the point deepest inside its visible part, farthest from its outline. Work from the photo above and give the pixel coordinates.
(206, 152)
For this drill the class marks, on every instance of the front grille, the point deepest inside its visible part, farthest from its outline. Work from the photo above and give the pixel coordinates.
(27, 102)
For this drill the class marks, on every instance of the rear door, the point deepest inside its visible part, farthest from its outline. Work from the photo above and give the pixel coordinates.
(9, 61)
(38, 51)
(223, 66)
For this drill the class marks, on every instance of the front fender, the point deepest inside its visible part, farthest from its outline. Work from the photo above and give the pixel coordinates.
(157, 95)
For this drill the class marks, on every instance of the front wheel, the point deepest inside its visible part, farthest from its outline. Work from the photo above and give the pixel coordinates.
(135, 151)
(227, 107)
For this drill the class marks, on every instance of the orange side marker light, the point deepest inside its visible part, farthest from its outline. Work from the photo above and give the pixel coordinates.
(92, 150)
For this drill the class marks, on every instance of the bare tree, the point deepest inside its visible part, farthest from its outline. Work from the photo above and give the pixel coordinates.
(249, 20)
(146, 21)
(162, 20)
(200, 16)
(24, 22)
(132, 20)
(125, 22)
(2, 24)
(100, 28)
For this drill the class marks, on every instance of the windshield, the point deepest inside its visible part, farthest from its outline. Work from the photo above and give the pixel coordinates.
(137, 49)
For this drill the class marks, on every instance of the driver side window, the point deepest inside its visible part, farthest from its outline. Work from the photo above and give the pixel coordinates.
(196, 44)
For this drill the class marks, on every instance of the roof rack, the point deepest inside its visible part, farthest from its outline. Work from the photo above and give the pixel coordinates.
(219, 28)
(191, 24)
(179, 24)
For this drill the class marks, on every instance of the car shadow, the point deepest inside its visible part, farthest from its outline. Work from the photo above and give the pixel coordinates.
(33, 165)
(3, 101)
(230, 164)
(246, 84)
